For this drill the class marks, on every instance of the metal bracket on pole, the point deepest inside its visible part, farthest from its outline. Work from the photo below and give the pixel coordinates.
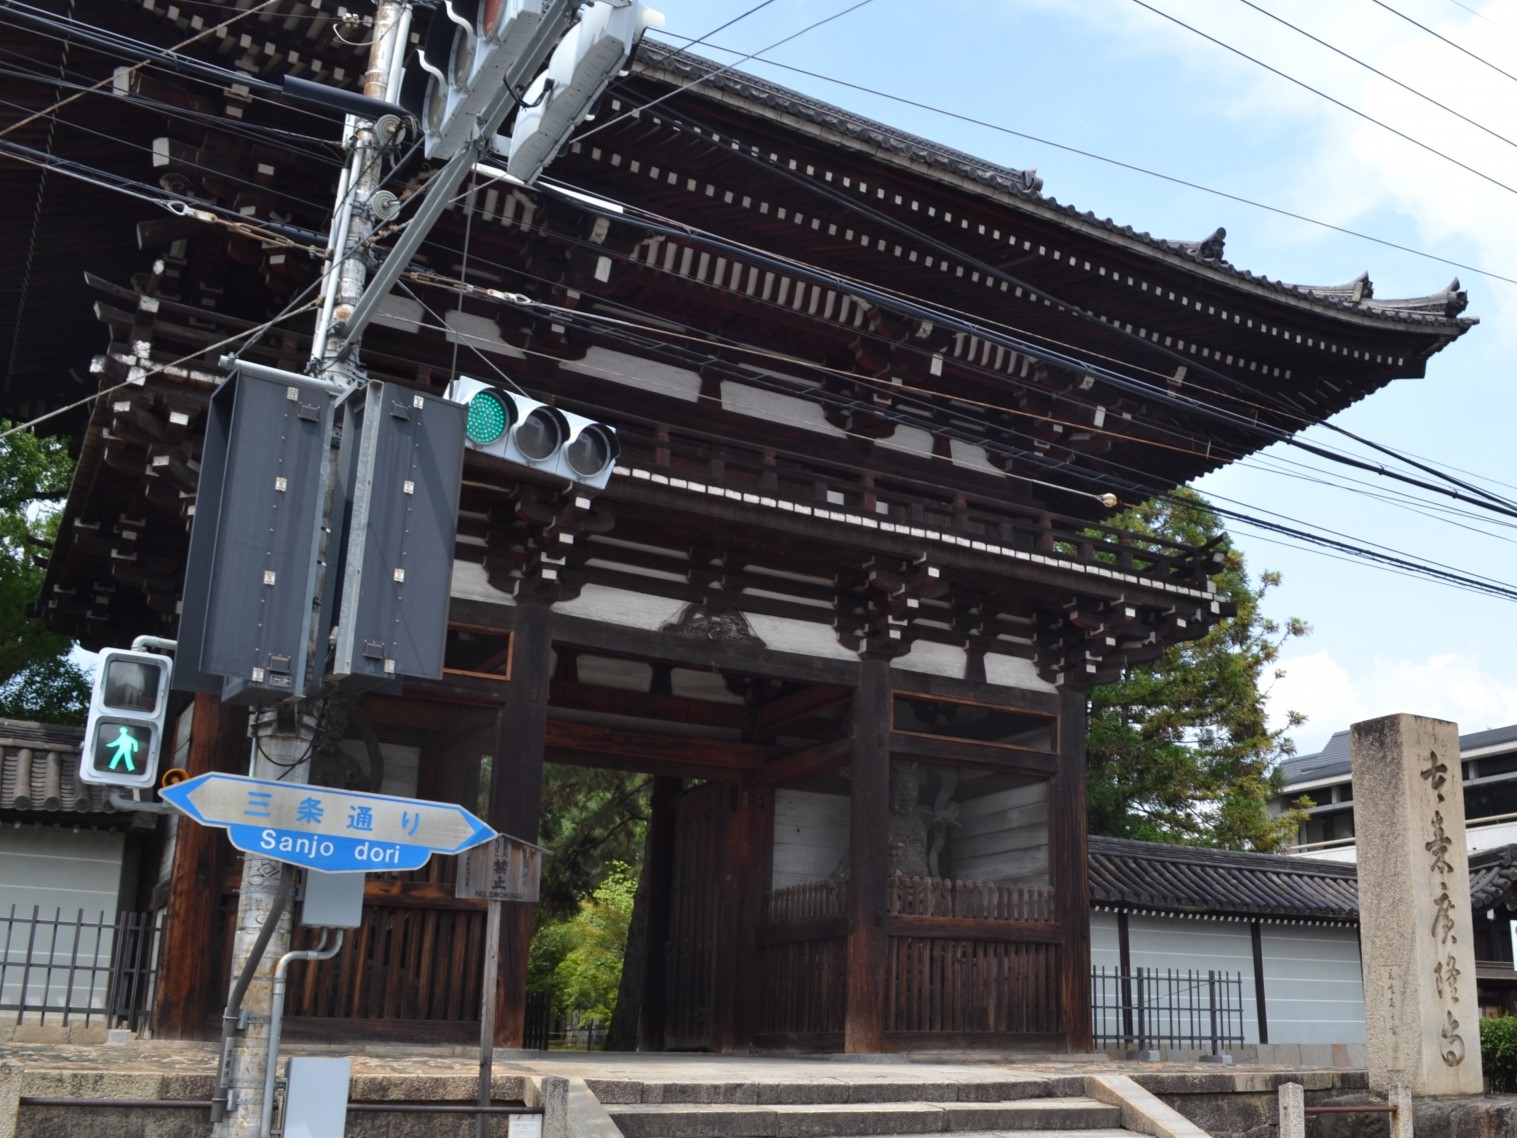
(441, 187)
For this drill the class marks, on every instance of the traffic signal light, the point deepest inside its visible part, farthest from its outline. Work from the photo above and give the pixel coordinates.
(594, 50)
(470, 47)
(125, 729)
(535, 435)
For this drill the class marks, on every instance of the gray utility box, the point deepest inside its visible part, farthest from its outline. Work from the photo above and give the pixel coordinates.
(250, 578)
(401, 466)
(316, 1097)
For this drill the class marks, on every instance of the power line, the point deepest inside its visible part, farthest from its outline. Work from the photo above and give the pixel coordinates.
(1134, 168)
(1324, 95)
(1445, 39)
(1375, 70)
(736, 63)
(196, 38)
(921, 309)
(1334, 543)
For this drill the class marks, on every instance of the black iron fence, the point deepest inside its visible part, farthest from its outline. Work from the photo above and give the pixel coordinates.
(78, 968)
(1148, 1008)
(539, 1026)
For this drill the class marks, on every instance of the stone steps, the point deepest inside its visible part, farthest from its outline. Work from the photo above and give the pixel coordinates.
(1044, 1117)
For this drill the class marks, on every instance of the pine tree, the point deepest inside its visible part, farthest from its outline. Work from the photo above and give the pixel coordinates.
(1180, 750)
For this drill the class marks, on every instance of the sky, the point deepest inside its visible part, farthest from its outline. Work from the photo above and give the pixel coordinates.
(1115, 79)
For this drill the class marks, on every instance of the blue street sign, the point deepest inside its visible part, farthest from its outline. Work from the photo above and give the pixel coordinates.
(335, 831)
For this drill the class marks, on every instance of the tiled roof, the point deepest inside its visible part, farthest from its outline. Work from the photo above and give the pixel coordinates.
(39, 771)
(1132, 876)
(1492, 875)
(1153, 877)
(1442, 307)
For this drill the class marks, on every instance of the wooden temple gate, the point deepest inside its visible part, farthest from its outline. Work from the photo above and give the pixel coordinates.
(842, 596)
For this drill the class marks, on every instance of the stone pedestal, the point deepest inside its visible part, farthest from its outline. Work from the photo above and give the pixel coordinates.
(1421, 1018)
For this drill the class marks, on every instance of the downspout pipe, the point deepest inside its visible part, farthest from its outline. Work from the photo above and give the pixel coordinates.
(276, 1018)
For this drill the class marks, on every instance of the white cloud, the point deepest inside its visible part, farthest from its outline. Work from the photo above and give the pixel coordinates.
(1449, 686)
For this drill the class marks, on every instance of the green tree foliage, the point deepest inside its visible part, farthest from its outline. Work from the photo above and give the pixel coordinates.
(1180, 750)
(591, 819)
(37, 678)
(582, 957)
(1498, 1053)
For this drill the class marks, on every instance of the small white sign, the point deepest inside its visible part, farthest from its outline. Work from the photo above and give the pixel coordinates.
(506, 869)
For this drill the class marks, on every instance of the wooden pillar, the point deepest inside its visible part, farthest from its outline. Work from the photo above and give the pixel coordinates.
(650, 1026)
(189, 992)
(868, 821)
(1071, 868)
(737, 976)
(516, 795)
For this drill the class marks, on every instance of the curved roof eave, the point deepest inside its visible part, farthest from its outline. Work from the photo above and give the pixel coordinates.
(1020, 189)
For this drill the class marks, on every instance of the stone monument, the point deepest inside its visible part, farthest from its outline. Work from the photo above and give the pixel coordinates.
(1421, 1017)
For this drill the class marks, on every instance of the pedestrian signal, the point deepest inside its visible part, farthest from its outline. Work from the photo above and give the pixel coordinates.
(127, 710)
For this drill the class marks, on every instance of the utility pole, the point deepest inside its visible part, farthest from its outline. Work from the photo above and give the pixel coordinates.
(481, 72)
(284, 734)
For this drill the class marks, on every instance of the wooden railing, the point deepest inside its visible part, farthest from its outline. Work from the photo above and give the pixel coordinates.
(974, 900)
(942, 986)
(809, 901)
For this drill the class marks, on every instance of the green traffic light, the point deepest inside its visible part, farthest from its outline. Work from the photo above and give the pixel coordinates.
(488, 418)
(121, 748)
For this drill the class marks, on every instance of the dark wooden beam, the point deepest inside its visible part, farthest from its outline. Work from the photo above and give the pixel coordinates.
(800, 705)
(615, 748)
(824, 758)
(951, 750)
(645, 705)
(516, 792)
(189, 989)
(869, 821)
(650, 1028)
(1070, 865)
(710, 655)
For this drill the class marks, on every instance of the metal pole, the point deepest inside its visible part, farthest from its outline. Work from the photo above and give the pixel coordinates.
(1211, 997)
(487, 1015)
(276, 1019)
(354, 224)
(283, 737)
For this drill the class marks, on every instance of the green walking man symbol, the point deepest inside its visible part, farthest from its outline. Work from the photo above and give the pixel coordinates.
(123, 748)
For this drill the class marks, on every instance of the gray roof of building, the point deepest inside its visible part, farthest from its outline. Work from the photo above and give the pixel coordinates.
(1441, 307)
(39, 771)
(1188, 880)
(1154, 877)
(1333, 761)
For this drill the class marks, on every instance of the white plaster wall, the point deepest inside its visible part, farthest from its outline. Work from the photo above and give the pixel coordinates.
(60, 869)
(1313, 988)
(741, 399)
(1002, 837)
(61, 874)
(810, 836)
(1200, 946)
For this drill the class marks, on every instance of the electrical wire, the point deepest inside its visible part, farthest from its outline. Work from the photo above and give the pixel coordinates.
(925, 310)
(194, 39)
(728, 67)
(158, 369)
(1433, 150)
(1445, 39)
(186, 163)
(1330, 540)
(1213, 456)
(144, 55)
(1129, 166)
(1375, 70)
